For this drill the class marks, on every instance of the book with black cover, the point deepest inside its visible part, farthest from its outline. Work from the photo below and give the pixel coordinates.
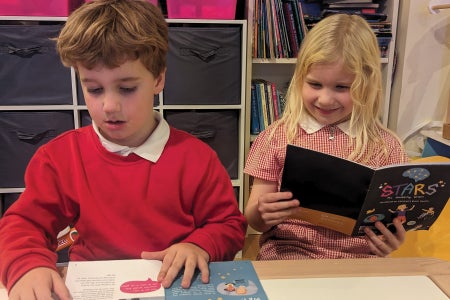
(347, 197)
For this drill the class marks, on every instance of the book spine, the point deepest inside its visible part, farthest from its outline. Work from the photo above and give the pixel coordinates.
(283, 30)
(270, 30)
(291, 28)
(276, 113)
(271, 115)
(254, 121)
(259, 106)
(263, 105)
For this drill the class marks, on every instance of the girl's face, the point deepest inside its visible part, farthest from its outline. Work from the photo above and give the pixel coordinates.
(120, 101)
(326, 93)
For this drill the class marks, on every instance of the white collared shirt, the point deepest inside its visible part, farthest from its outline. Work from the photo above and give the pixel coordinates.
(150, 150)
(310, 125)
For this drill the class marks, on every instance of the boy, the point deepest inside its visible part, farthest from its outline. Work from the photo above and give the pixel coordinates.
(132, 186)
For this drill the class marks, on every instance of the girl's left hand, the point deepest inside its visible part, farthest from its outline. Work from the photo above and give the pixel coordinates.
(382, 245)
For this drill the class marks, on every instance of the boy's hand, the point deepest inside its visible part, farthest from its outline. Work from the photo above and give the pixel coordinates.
(382, 245)
(40, 284)
(176, 257)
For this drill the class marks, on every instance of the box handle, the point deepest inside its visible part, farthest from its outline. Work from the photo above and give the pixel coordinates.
(204, 56)
(203, 134)
(24, 52)
(33, 138)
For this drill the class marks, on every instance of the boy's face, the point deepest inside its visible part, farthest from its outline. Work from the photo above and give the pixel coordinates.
(326, 93)
(120, 101)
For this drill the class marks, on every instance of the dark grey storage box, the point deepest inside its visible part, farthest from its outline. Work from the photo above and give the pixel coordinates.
(85, 118)
(21, 134)
(8, 200)
(203, 66)
(219, 129)
(31, 72)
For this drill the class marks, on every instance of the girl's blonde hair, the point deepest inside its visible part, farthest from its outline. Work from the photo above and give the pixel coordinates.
(109, 32)
(348, 39)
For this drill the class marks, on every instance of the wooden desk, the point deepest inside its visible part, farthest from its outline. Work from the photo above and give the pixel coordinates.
(436, 269)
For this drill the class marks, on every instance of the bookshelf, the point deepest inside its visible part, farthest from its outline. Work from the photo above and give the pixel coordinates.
(192, 98)
(280, 70)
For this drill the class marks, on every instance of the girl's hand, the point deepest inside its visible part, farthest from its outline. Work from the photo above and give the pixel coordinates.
(268, 207)
(276, 207)
(382, 245)
(176, 257)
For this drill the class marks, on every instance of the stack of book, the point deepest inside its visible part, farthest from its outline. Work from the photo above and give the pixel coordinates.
(279, 28)
(368, 9)
(281, 25)
(267, 105)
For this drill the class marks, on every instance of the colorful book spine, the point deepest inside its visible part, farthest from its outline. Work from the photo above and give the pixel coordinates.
(254, 111)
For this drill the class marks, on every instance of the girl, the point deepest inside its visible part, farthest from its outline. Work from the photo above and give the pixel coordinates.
(332, 106)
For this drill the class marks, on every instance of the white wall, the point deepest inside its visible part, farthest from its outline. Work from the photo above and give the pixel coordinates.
(421, 83)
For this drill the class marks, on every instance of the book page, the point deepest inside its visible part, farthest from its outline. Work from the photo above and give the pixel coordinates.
(3, 294)
(354, 288)
(114, 279)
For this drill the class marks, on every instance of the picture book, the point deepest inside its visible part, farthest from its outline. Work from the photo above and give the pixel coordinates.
(114, 280)
(347, 197)
(230, 280)
(137, 279)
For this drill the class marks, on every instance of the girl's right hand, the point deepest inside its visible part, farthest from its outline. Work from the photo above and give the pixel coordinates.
(276, 207)
(267, 206)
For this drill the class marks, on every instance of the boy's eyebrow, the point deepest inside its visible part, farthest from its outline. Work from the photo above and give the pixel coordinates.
(125, 79)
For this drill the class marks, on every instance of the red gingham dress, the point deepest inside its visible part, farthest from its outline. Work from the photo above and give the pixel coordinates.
(296, 239)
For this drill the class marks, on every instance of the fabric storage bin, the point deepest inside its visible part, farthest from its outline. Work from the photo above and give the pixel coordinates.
(49, 8)
(80, 96)
(31, 71)
(236, 193)
(8, 200)
(21, 134)
(219, 129)
(204, 9)
(203, 66)
(85, 118)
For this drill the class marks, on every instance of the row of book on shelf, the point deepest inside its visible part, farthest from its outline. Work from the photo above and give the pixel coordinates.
(279, 26)
(267, 105)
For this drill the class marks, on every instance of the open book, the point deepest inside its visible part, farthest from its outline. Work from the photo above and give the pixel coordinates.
(346, 196)
(137, 279)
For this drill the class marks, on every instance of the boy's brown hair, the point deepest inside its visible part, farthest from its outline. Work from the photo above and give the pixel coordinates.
(109, 32)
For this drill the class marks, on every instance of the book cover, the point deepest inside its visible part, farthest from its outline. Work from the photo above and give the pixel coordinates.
(114, 280)
(347, 197)
(230, 280)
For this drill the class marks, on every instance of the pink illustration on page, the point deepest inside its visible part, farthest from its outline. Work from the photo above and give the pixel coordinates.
(139, 286)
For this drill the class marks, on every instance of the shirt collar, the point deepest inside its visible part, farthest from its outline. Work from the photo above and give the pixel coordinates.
(310, 125)
(150, 150)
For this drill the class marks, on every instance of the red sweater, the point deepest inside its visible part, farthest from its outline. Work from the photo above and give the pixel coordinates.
(120, 206)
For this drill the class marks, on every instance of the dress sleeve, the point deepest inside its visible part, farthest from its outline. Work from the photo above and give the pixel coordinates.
(267, 154)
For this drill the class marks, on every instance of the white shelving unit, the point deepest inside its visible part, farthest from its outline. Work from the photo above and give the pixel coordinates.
(77, 108)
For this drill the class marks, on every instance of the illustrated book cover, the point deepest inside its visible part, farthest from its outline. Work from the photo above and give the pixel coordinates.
(347, 197)
(229, 280)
